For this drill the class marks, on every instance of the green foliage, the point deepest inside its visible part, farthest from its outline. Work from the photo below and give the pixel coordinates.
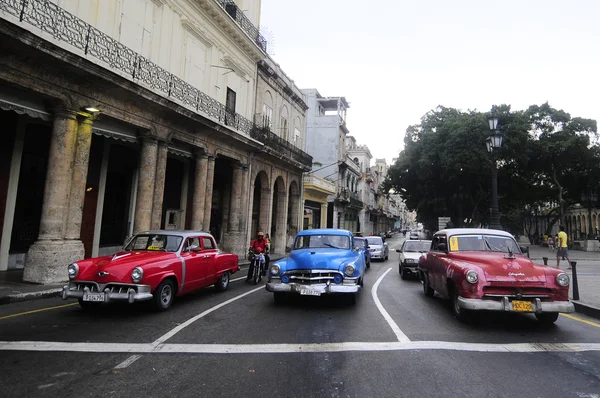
(445, 169)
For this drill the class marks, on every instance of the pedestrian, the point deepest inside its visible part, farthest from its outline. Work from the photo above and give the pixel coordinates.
(562, 248)
(551, 243)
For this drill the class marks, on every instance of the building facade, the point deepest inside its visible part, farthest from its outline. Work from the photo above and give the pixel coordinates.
(135, 115)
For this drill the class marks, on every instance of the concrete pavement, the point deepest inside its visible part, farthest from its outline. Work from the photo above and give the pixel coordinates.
(240, 344)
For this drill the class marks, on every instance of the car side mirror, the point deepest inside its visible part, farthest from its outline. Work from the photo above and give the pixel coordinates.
(443, 247)
(398, 251)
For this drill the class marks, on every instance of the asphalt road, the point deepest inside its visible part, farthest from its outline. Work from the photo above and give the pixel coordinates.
(394, 343)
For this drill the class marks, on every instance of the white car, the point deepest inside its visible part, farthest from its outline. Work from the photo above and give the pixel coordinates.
(410, 253)
(378, 248)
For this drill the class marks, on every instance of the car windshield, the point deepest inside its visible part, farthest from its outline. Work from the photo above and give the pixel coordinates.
(416, 247)
(154, 242)
(492, 243)
(321, 241)
(375, 241)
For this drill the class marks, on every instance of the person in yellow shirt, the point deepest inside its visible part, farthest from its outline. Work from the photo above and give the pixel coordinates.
(562, 249)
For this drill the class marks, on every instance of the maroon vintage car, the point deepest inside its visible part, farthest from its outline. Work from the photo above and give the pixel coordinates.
(154, 265)
(485, 269)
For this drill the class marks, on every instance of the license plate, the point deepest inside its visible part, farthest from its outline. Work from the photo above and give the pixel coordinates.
(523, 306)
(306, 292)
(95, 297)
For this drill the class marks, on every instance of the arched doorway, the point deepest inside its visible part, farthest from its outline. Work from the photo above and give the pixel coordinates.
(293, 211)
(279, 216)
(260, 204)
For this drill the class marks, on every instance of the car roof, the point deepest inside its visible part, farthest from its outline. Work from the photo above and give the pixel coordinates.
(325, 231)
(419, 240)
(179, 232)
(467, 231)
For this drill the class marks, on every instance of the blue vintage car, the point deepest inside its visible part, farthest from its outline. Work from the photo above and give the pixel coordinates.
(322, 261)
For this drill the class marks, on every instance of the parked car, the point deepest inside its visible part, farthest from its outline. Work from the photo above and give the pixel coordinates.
(363, 246)
(378, 248)
(485, 269)
(410, 253)
(322, 261)
(154, 265)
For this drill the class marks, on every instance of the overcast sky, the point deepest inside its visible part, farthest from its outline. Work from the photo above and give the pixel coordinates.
(394, 60)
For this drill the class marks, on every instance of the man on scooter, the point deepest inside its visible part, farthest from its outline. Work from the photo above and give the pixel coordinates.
(257, 246)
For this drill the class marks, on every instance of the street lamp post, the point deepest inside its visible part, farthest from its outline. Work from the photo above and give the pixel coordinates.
(590, 198)
(493, 143)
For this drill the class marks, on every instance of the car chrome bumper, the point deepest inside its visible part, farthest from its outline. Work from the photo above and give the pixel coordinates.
(538, 305)
(322, 288)
(130, 293)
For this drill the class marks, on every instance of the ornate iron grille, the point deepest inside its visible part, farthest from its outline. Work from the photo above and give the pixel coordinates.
(64, 26)
(261, 132)
(242, 20)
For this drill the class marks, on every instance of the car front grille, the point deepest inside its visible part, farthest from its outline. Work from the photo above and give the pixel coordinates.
(312, 277)
(517, 291)
(95, 287)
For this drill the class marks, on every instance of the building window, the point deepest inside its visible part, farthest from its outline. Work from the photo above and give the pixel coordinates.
(267, 116)
(297, 139)
(137, 24)
(284, 128)
(230, 101)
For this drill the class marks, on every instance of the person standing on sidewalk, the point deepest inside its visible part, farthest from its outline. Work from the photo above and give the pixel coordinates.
(562, 248)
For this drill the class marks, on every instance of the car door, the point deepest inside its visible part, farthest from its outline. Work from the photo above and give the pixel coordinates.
(401, 255)
(434, 262)
(193, 257)
(209, 251)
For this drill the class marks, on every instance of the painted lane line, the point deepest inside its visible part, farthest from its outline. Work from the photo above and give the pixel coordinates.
(237, 279)
(40, 310)
(187, 323)
(126, 363)
(144, 348)
(179, 328)
(575, 318)
(399, 334)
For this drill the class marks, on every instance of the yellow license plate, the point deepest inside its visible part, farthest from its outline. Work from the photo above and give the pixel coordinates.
(523, 306)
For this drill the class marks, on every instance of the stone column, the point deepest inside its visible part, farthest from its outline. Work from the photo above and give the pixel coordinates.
(264, 219)
(145, 191)
(48, 257)
(210, 176)
(199, 198)
(159, 185)
(79, 179)
(324, 215)
(236, 198)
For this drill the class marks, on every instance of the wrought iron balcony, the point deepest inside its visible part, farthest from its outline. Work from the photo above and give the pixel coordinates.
(238, 16)
(263, 133)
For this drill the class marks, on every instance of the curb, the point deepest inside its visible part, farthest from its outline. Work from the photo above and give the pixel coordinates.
(587, 309)
(42, 294)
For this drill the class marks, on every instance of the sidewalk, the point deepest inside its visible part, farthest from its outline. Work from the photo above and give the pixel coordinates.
(588, 276)
(14, 290)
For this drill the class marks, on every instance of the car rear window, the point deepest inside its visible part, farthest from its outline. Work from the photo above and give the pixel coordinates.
(375, 241)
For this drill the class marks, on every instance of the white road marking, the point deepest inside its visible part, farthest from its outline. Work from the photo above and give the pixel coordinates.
(144, 348)
(399, 334)
(126, 363)
(237, 279)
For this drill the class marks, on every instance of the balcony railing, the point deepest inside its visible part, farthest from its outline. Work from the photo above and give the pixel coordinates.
(238, 16)
(262, 133)
(319, 182)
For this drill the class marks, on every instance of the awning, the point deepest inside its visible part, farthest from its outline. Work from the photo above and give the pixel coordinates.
(111, 128)
(23, 104)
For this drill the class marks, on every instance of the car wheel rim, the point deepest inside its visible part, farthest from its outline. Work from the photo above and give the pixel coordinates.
(165, 295)
(224, 280)
(456, 306)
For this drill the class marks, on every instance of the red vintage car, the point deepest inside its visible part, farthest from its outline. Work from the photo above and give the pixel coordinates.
(154, 265)
(485, 269)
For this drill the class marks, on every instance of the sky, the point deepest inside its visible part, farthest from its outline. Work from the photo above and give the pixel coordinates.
(395, 60)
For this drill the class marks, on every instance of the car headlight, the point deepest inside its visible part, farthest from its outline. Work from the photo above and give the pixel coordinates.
(73, 270)
(349, 270)
(472, 276)
(137, 274)
(562, 279)
(409, 260)
(275, 268)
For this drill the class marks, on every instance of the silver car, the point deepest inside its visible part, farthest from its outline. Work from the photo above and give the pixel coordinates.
(410, 253)
(378, 248)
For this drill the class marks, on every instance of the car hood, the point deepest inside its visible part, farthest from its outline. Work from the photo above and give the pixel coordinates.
(498, 268)
(322, 258)
(119, 266)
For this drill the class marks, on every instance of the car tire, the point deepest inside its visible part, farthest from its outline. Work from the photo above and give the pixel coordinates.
(88, 305)
(223, 282)
(279, 298)
(429, 292)
(164, 295)
(369, 264)
(459, 313)
(403, 273)
(547, 318)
